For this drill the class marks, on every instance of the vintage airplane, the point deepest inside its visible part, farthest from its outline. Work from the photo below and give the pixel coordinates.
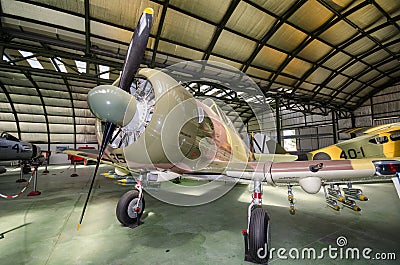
(150, 124)
(14, 149)
(379, 141)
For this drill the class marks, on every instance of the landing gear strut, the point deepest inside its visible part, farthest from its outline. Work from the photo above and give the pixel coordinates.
(290, 196)
(131, 206)
(257, 234)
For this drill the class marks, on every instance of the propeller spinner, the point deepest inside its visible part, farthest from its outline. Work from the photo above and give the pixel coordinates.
(115, 105)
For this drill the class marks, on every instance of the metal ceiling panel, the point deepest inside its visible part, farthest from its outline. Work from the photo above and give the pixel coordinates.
(123, 13)
(269, 58)
(233, 46)
(287, 38)
(319, 76)
(330, 53)
(209, 9)
(276, 7)
(365, 16)
(337, 60)
(315, 50)
(297, 67)
(47, 15)
(111, 32)
(376, 57)
(258, 73)
(68, 5)
(189, 31)
(177, 50)
(250, 21)
(31, 118)
(225, 61)
(339, 33)
(355, 69)
(360, 46)
(311, 16)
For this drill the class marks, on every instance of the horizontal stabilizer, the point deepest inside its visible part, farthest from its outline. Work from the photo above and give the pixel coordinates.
(396, 182)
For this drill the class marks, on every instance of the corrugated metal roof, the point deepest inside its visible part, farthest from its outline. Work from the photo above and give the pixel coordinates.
(328, 53)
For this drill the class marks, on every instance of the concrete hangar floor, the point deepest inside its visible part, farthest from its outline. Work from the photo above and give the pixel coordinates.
(42, 229)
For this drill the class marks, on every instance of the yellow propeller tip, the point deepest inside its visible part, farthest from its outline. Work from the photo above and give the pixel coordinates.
(79, 227)
(148, 10)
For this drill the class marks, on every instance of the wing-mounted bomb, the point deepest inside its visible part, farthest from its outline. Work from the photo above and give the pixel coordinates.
(334, 195)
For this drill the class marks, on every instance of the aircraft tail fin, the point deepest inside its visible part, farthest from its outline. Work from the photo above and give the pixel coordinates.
(396, 182)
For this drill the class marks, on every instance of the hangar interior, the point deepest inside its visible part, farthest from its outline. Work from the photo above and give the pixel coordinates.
(319, 58)
(322, 65)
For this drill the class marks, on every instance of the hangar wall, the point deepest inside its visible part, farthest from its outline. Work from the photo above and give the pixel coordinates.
(316, 131)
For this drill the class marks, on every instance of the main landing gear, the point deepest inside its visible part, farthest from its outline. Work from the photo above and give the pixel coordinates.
(257, 234)
(292, 209)
(131, 206)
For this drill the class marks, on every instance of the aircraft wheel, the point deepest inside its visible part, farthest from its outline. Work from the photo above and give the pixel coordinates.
(126, 211)
(259, 236)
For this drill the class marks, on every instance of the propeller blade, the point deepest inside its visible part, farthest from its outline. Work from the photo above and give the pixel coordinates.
(136, 50)
(132, 62)
(106, 138)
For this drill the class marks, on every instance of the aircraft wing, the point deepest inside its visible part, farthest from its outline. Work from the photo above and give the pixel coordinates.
(105, 160)
(310, 175)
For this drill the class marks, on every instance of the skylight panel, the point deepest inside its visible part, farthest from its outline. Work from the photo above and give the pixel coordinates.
(212, 91)
(104, 71)
(60, 65)
(81, 66)
(204, 87)
(33, 61)
(220, 94)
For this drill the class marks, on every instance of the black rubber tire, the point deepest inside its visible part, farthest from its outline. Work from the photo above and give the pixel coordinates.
(259, 235)
(122, 208)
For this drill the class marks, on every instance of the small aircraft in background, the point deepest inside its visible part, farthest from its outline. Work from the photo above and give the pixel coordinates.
(378, 142)
(11, 148)
(149, 124)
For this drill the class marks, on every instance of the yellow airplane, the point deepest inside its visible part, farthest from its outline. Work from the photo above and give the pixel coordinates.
(379, 142)
(150, 124)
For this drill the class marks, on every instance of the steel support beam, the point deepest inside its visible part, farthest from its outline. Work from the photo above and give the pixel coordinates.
(34, 84)
(278, 120)
(334, 127)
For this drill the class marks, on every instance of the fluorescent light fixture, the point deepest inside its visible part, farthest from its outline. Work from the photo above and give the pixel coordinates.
(33, 61)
